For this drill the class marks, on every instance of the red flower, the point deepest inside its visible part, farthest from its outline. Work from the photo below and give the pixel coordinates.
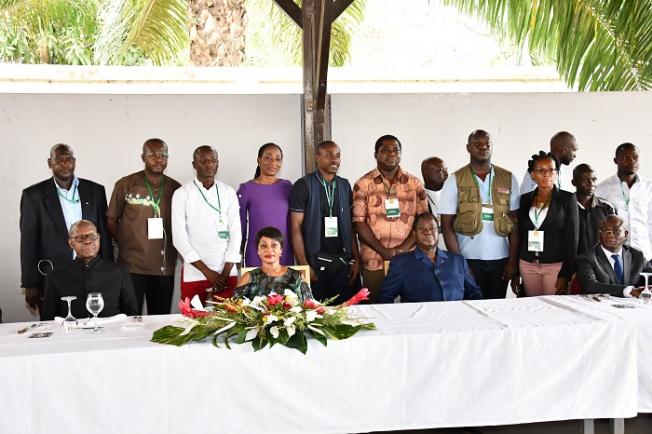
(363, 294)
(186, 310)
(287, 306)
(321, 310)
(309, 303)
(274, 299)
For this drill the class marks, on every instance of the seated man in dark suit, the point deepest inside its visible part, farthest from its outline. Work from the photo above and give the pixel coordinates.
(612, 267)
(428, 273)
(88, 273)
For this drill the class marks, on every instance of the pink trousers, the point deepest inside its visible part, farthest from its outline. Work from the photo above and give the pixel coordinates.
(539, 279)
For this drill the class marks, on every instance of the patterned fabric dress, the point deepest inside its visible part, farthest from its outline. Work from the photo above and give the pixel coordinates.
(262, 284)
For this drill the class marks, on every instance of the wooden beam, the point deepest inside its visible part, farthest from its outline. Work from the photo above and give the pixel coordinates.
(311, 135)
(291, 9)
(339, 6)
(323, 40)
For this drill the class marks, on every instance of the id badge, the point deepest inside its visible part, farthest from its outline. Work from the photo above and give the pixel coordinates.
(330, 227)
(487, 213)
(222, 229)
(391, 208)
(154, 228)
(535, 241)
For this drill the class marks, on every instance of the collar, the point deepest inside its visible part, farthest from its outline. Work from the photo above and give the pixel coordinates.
(90, 264)
(321, 178)
(74, 184)
(609, 253)
(200, 185)
(595, 201)
(375, 174)
(440, 256)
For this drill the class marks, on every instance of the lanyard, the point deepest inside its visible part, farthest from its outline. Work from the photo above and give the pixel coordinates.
(156, 200)
(477, 184)
(625, 197)
(219, 204)
(330, 195)
(537, 214)
(63, 196)
(434, 207)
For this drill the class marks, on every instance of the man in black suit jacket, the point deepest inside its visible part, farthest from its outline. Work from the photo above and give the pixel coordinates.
(44, 225)
(612, 267)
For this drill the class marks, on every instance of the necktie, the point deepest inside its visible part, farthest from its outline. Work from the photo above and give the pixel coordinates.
(618, 268)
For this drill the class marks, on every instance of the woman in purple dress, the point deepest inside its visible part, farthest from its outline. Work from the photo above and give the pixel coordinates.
(265, 201)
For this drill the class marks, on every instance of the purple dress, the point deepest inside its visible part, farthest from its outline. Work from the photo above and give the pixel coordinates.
(265, 205)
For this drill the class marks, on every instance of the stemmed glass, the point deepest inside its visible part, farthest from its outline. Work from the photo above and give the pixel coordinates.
(95, 304)
(646, 294)
(69, 321)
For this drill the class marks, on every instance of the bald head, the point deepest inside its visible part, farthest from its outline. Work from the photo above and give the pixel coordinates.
(61, 148)
(564, 146)
(434, 172)
(612, 233)
(80, 226)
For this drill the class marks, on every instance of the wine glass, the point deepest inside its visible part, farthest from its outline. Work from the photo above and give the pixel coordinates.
(646, 294)
(69, 320)
(95, 304)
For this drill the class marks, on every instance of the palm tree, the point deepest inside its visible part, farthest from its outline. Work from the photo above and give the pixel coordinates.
(217, 32)
(114, 32)
(597, 45)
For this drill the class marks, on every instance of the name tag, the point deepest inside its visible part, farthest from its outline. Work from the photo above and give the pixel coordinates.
(222, 229)
(392, 208)
(154, 228)
(330, 227)
(535, 241)
(487, 212)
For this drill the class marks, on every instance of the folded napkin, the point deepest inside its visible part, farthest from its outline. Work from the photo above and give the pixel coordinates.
(90, 322)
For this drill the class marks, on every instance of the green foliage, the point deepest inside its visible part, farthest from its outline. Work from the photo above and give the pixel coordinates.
(84, 32)
(596, 44)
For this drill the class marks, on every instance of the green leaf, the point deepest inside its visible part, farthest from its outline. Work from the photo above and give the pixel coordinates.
(320, 338)
(167, 335)
(298, 342)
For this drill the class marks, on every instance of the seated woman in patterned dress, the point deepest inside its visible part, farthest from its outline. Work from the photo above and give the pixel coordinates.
(271, 276)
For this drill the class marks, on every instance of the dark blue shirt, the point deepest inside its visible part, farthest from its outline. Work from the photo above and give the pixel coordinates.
(416, 278)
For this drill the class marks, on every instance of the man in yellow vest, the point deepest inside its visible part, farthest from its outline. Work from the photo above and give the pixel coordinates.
(477, 206)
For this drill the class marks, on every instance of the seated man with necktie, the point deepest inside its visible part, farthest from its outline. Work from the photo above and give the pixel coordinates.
(428, 273)
(88, 273)
(612, 267)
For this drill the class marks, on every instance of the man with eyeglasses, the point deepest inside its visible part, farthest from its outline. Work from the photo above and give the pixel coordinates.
(478, 216)
(140, 219)
(631, 194)
(612, 267)
(86, 274)
(206, 230)
(47, 212)
(564, 147)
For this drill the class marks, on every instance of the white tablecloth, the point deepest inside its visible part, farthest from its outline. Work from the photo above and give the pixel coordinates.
(489, 362)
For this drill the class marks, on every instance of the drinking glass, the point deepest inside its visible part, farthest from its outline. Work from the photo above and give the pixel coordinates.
(69, 321)
(95, 304)
(646, 294)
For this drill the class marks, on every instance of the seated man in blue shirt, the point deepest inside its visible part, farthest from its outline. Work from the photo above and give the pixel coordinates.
(428, 273)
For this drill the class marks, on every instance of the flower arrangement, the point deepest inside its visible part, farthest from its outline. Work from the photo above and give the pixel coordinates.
(266, 320)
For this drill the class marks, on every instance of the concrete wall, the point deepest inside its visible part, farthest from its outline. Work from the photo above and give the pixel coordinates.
(107, 131)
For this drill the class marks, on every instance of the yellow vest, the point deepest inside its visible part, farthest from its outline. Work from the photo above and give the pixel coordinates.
(469, 208)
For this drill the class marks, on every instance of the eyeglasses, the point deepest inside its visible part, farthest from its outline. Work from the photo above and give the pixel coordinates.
(158, 155)
(545, 171)
(610, 232)
(86, 237)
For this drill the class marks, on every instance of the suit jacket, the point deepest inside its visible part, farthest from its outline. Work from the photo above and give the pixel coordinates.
(43, 232)
(598, 276)
(559, 231)
(80, 279)
(415, 278)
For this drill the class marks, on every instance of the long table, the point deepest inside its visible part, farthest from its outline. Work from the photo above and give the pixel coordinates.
(470, 363)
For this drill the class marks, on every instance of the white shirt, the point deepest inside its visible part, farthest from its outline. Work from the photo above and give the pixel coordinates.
(195, 227)
(70, 202)
(433, 204)
(563, 182)
(627, 291)
(487, 245)
(637, 214)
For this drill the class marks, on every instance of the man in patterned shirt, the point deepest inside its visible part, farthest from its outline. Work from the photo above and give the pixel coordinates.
(385, 203)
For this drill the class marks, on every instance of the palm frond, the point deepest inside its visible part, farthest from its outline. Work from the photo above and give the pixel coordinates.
(596, 44)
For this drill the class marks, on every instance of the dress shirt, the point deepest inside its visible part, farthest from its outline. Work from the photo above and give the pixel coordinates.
(627, 292)
(434, 197)
(487, 245)
(195, 227)
(564, 180)
(536, 221)
(634, 206)
(71, 205)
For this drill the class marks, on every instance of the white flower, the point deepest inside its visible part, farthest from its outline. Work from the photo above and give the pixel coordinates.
(251, 333)
(274, 331)
(257, 301)
(291, 297)
(291, 330)
(296, 309)
(311, 315)
(270, 319)
(226, 327)
(189, 327)
(316, 330)
(289, 320)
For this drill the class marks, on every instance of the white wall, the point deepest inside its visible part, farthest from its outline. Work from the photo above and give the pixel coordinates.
(107, 131)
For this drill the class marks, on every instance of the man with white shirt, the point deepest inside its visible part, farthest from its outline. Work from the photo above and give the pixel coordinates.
(631, 194)
(563, 146)
(206, 230)
(435, 173)
(612, 267)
